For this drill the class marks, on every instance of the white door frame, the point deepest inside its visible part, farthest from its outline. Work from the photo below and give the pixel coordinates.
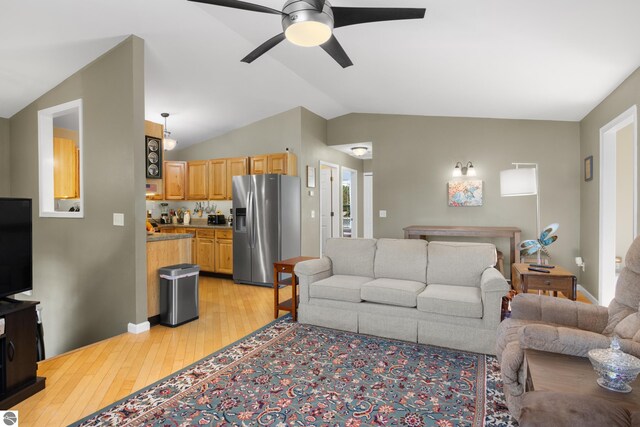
(354, 199)
(335, 186)
(607, 249)
(367, 205)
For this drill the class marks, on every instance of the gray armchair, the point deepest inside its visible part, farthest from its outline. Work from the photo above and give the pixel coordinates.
(562, 326)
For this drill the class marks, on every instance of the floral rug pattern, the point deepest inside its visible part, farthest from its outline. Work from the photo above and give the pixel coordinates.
(289, 374)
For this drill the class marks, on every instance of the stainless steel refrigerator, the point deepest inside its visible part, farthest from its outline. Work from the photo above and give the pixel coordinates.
(266, 225)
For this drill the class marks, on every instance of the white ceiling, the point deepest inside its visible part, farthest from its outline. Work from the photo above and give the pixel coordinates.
(542, 59)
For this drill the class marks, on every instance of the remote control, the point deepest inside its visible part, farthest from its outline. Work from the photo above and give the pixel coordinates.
(542, 265)
(539, 270)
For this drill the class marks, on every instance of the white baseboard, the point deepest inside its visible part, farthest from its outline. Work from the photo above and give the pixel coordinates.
(590, 297)
(139, 328)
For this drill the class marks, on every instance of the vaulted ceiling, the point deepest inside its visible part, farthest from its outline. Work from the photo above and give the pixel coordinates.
(520, 59)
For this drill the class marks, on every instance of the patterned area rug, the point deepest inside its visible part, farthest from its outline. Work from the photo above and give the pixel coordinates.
(289, 374)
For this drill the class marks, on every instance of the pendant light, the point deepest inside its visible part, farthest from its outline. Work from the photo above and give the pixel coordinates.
(168, 143)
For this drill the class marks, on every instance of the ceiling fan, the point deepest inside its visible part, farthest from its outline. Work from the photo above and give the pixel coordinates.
(311, 23)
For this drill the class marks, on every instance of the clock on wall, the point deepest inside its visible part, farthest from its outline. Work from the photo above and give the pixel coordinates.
(153, 157)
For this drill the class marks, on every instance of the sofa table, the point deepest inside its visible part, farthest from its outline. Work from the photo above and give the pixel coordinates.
(572, 374)
(557, 280)
(286, 267)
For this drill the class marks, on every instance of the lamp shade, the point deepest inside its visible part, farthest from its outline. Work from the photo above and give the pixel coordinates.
(518, 182)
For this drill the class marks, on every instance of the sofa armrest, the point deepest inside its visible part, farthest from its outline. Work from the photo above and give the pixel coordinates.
(493, 287)
(311, 271)
(559, 311)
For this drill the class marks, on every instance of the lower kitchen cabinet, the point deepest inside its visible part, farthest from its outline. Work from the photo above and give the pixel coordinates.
(224, 251)
(205, 243)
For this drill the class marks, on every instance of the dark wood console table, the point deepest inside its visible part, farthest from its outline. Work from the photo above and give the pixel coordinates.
(426, 231)
(286, 266)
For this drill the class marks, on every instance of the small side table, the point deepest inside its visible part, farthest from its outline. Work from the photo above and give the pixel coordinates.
(286, 266)
(557, 280)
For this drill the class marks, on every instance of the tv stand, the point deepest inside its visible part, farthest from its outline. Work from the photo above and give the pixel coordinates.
(18, 352)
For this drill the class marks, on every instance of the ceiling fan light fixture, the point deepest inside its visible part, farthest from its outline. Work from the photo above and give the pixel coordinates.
(308, 33)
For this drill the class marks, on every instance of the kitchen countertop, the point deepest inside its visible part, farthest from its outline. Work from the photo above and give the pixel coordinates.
(156, 237)
(223, 227)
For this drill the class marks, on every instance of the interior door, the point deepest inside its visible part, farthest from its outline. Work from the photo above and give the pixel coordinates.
(329, 203)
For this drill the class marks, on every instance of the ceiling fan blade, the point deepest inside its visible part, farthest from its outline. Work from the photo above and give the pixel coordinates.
(263, 48)
(344, 16)
(318, 4)
(333, 48)
(241, 5)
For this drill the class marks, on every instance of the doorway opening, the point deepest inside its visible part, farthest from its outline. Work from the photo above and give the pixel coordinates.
(329, 202)
(618, 198)
(349, 202)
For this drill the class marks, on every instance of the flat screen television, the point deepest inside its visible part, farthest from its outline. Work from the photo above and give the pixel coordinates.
(16, 257)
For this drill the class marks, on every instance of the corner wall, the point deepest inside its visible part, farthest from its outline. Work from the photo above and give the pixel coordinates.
(90, 276)
(5, 164)
(413, 158)
(620, 100)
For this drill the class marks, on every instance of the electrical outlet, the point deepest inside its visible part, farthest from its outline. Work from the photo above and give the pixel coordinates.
(383, 214)
(118, 219)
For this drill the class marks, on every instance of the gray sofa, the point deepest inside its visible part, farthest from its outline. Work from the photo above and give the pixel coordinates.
(442, 293)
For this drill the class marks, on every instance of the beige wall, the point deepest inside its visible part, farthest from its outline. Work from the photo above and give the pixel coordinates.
(89, 275)
(620, 100)
(414, 157)
(300, 130)
(5, 175)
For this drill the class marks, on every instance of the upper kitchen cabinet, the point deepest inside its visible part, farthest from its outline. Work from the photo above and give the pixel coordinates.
(197, 177)
(235, 167)
(66, 183)
(258, 164)
(218, 179)
(174, 179)
(283, 163)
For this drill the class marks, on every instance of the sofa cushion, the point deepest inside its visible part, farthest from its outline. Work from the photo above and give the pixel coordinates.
(459, 263)
(462, 301)
(351, 256)
(339, 287)
(404, 259)
(392, 292)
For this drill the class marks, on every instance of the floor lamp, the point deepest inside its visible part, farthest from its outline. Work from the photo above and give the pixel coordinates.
(522, 181)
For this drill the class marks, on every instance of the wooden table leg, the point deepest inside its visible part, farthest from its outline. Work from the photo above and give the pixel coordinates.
(275, 294)
(294, 297)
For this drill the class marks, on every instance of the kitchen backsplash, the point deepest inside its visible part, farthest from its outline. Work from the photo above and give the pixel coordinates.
(222, 205)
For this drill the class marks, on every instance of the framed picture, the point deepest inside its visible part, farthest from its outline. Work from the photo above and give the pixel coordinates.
(153, 153)
(311, 177)
(588, 168)
(465, 193)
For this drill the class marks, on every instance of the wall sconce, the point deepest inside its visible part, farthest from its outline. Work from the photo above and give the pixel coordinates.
(468, 170)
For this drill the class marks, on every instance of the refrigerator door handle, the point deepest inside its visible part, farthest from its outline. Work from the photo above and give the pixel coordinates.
(250, 218)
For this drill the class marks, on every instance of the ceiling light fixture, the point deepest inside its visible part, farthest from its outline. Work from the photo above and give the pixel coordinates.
(307, 27)
(468, 170)
(359, 151)
(168, 143)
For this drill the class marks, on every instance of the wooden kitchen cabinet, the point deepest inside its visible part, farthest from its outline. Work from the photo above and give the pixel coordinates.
(283, 164)
(258, 164)
(206, 250)
(235, 167)
(224, 251)
(197, 180)
(174, 179)
(66, 182)
(218, 179)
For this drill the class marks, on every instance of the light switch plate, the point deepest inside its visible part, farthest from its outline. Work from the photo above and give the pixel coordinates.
(313, 214)
(118, 219)
(383, 214)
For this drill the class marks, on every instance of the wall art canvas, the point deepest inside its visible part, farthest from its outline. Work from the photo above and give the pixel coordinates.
(465, 193)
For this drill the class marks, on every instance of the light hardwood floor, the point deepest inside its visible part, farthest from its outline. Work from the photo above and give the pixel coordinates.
(85, 380)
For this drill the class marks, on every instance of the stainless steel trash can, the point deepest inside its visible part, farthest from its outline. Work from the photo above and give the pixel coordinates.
(178, 294)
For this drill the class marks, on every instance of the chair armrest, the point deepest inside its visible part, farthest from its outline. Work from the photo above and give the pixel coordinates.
(493, 287)
(313, 266)
(559, 311)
